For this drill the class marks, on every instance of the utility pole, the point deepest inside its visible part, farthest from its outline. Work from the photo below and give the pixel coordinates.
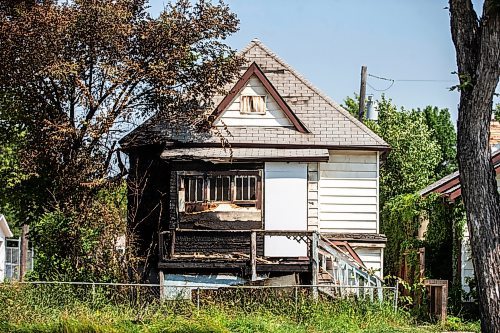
(362, 93)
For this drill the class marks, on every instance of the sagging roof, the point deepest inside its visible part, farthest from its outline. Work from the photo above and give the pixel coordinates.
(325, 122)
(246, 154)
(449, 186)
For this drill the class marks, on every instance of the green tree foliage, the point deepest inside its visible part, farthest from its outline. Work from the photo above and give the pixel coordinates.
(444, 133)
(496, 112)
(80, 74)
(422, 151)
(351, 104)
(410, 165)
(89, 251)
(401, 219)
(12, 139)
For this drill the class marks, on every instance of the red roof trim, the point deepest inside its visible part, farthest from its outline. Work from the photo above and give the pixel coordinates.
(350, 250)
(456, 193)
(255, 70)
(495, 159)
(446, 186)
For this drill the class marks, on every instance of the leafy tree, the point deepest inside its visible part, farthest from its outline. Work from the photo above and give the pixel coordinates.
(477, 45)
(496, 111)
(443, 132)
(351, 104)
(410, 164)
(11, 173)
(82, 72)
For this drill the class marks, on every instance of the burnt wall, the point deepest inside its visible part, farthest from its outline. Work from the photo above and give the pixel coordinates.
(148, 202)
(208, 243)
(205, 221)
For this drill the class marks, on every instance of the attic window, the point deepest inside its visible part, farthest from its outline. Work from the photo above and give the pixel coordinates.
(253, 104)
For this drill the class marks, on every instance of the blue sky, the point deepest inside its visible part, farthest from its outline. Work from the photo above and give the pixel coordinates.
(329, 40)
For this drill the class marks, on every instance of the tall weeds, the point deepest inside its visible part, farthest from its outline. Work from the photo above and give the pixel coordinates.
(74, 309)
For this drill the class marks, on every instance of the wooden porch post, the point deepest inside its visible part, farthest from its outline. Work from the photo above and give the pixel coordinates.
(314, 263)
(162, 285)
(253, 254)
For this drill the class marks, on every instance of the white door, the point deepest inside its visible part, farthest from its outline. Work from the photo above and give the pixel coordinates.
(285, 207)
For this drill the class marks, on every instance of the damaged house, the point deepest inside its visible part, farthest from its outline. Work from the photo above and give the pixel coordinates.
(295, 196)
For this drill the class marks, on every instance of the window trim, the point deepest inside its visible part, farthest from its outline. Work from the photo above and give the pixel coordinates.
(181, 188)
(249, 112)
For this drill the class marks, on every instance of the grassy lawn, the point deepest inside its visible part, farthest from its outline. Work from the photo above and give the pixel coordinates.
(34, 310)
(215, 319)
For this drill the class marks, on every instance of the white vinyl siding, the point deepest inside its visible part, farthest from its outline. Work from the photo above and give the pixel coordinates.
(348, 192)
(273, 117)
(372, 257)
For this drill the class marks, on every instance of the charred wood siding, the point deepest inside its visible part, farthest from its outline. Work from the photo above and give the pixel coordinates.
(148, 200)
(187, 243)
(176, 219)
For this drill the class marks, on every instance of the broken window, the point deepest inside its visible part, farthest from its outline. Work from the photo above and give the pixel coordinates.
(253, 104)
(245, 188)
(219, 188)
(222, 187)
(194, 189)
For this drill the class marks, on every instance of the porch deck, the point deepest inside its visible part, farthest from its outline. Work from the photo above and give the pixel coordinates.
(230, 250)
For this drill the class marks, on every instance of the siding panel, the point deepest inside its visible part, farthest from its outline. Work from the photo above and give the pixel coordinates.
(274, 116)
(347, 208)
(372, 258)
(348, 193)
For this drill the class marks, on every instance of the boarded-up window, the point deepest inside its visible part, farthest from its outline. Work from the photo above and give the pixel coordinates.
(253, 104)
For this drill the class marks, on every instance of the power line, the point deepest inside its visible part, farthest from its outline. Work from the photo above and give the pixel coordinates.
(425, 80)
(380, 90)
(380, 78)
(392, 81)
(409, 80)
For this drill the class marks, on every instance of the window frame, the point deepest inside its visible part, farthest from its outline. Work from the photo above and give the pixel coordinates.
(182, 186)
(249, 112)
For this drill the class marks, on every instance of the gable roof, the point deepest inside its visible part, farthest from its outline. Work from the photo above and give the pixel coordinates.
(449, 186)
(5, 227)
(255, 70)
(327, 124)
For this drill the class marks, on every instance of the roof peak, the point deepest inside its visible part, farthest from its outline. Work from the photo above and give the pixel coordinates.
(256, 42)
(252, 70)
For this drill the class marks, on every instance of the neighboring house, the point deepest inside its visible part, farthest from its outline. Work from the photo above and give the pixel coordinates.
(4, 234)
(297, 193)
(449, 187)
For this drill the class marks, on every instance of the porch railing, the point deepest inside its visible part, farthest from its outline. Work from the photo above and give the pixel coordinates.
(325, 258)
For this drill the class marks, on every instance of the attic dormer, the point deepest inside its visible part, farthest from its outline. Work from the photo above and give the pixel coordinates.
(254, 102)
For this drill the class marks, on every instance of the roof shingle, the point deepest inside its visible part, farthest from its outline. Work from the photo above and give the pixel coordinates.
(330, 125)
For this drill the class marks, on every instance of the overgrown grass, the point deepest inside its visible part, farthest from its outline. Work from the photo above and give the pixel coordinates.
(63, 310)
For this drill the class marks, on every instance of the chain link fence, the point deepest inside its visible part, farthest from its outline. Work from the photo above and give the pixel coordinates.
(246, 298)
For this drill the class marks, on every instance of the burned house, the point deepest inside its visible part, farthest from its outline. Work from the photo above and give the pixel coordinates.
(296, 194)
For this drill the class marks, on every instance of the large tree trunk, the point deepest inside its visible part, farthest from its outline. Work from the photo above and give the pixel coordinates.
(477, 44)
